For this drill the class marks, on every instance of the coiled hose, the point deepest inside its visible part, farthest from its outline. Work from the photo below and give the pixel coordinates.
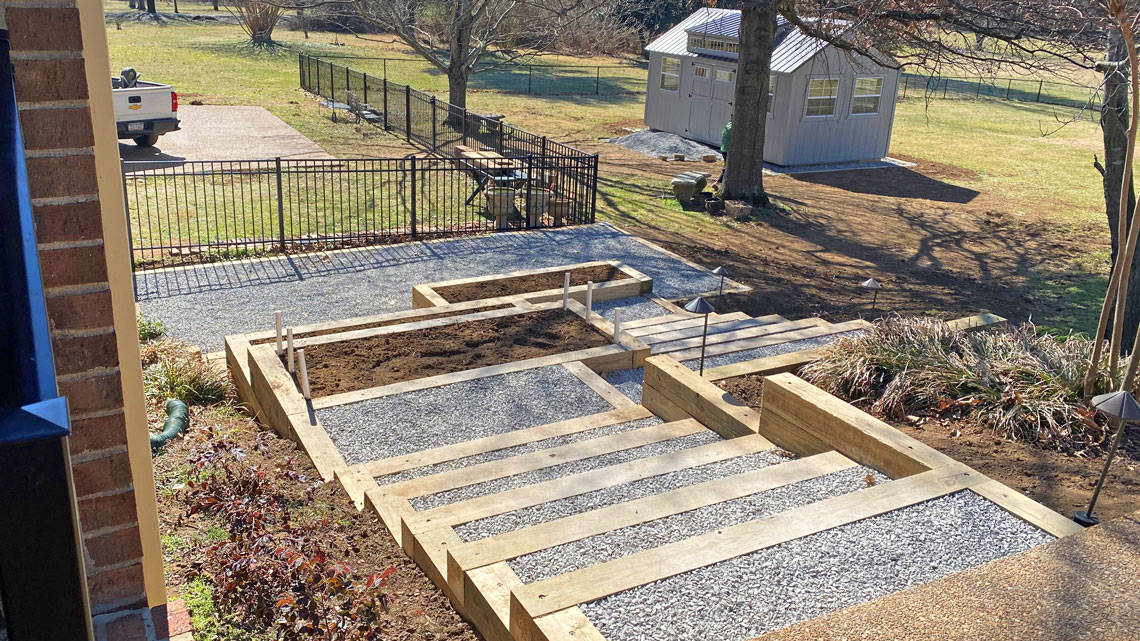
(177, 420)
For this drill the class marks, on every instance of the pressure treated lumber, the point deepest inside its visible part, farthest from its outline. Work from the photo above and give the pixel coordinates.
(685, 390)
(765, 341)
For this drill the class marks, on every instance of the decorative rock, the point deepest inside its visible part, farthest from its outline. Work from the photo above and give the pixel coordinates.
(738, 209)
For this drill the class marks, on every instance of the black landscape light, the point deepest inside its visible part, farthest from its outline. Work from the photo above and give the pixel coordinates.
(874, 286)
(1121, 409)
(701, 306)
(719, 271)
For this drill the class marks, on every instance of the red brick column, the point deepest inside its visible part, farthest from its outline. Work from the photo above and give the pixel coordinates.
(52, 95)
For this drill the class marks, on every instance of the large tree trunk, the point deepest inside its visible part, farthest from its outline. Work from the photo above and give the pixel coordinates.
(150, 8)
(457, 86)
(1114, 129)
(744, 172)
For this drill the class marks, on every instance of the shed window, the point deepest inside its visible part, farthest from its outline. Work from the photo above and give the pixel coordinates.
(822, 96)
(670, 74)
(868, 95)
(696, 42)
(700, 72)
(727, 46)
(725, 75)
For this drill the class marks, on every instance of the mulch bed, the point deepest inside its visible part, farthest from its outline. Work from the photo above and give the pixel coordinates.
(418, 610)
(427, 315)
(335, 368)
(1062, 482)
(527, 284)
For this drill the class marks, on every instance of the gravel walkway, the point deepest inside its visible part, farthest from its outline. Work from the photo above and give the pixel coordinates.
(805, 578)
(628, 382)
(203, 304)
(633, 308)
(534, 477)
(617, 543)
(518, 450)
(770, 350)
(580, 503)
(421, 420)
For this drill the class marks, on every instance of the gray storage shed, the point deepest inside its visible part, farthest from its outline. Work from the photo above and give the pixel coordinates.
(827, 105)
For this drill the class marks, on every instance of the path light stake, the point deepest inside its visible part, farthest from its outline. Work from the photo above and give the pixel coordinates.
(589, 298)
(617, 324)
(701, 306)
(277, 324)
(303, 372)
(719, 271)
(289, 342)
(1121, 409)
(566, 291)
(874, 286)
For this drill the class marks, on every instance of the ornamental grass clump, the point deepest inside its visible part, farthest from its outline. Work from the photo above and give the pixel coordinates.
(1024, 384)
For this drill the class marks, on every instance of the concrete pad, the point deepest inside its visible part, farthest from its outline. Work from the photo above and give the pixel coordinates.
(216, 132)
(1084, 586)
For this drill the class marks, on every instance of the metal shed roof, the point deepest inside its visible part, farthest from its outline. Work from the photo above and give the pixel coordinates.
(793, 49)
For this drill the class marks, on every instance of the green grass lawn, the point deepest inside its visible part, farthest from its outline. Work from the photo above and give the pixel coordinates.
(1027, 154)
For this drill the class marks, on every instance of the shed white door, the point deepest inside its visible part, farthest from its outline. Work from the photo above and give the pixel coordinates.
(710, 101)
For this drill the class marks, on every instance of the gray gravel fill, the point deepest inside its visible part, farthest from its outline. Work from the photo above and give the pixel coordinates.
(577, 504)
(770, 350)
(518, 450)
(697, 439)
(632, 308)
(805, 578)
(658, 143)
(424, 419)
(628, 382)
(203, 304)
(617, 543)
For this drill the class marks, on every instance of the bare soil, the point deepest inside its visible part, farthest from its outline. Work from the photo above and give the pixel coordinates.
(527, 284)
(427, 315)
(1063, 482)
(937, 248)
(417, 609)
(346, 366)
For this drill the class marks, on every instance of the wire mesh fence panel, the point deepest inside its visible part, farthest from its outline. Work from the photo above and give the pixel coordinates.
(1012, 89)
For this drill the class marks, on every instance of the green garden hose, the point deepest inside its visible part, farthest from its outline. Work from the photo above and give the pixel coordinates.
(177, 420)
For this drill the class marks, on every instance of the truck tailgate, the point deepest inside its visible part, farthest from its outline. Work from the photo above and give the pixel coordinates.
(142, 103)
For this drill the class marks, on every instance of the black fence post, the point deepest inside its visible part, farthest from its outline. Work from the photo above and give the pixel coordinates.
(408, 113)
(1008, 86)
(332, 83)
(464, 126)
(1040, 85)
(280, 204)
(386, 104)
(529, 78)
(318, 79)
(500, 123)
(529, 204)
(594, 189)
(385, 70)
(412, 161)
(365, 77)
(598, 82)
(301, 70)
(347, 83)
(434, 125)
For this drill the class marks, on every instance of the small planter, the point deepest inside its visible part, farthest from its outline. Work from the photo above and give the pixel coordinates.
(537, 204)
(560, 209)
(714, 206)
(501, 204)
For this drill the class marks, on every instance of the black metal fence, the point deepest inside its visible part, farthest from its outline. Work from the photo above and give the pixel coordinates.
(190, 212)
(421, 119)
(223, 210)
(1013, 89)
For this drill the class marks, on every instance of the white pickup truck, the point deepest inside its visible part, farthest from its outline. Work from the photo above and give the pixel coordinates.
(143, 110)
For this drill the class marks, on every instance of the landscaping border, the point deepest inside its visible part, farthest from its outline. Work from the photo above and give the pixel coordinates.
(637, 283)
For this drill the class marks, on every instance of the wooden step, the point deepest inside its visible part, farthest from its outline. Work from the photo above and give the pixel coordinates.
(697, 328)
(765, 341)
(745, 333)
(531, 602)
(684, 322)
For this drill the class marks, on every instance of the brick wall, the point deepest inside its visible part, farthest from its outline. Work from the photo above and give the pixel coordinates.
(51, 92)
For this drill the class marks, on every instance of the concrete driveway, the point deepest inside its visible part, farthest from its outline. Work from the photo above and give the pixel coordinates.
(215, 132)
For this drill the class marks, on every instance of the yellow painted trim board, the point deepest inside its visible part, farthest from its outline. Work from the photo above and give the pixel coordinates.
(120, 277)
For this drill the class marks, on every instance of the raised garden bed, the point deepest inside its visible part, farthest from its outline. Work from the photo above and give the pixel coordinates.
(611, 280)
(349, 365)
